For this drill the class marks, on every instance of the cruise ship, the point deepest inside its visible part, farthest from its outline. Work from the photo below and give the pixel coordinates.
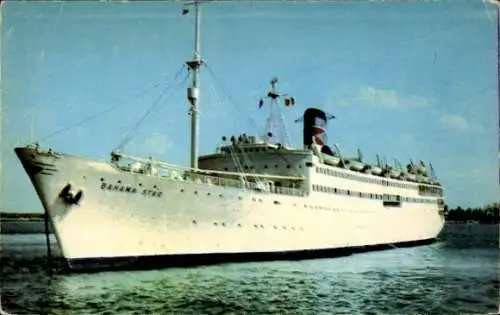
(253, 198)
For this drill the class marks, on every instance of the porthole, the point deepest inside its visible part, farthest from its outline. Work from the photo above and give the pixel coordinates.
(275, 227)
(140, 184)
(102, 179)
(288, 166)
(276, 165)
(182, 189)
(195, 192)
(208, 194)
(215, 224)
(226, 169)
(119, 181)
(239, 225)
(220, 195)
(223, 224)
(256, 226)
(265, 166)
(194, 221)
(262, 226)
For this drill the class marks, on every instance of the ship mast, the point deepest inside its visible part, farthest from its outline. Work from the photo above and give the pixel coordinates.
(193, 91)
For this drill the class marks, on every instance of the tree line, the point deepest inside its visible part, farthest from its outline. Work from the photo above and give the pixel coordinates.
(487, 214)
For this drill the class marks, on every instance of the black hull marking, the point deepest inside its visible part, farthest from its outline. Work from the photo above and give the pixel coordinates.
(46, 173)
(190, 260)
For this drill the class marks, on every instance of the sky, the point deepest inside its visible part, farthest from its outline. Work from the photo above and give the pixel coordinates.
(406, 80)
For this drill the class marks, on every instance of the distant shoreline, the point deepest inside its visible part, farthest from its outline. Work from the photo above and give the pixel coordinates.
(5, 216)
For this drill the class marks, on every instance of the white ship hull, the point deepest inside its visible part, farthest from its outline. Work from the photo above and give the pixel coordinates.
(124, 215)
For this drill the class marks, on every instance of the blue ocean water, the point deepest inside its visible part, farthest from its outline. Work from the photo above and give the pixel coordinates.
(458, 274)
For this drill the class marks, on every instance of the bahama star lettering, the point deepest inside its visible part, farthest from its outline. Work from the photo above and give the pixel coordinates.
(128, 189)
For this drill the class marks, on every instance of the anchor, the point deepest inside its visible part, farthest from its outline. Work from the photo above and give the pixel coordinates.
(67, 195)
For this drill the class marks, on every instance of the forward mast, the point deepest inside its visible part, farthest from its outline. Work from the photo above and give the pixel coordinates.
(193, 92)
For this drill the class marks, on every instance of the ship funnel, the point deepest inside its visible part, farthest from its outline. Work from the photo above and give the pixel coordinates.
(314, 127)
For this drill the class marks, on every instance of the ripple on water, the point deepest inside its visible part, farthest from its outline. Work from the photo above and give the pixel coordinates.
(441, 278)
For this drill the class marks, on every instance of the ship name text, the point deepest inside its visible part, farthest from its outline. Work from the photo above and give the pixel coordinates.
(132, 190)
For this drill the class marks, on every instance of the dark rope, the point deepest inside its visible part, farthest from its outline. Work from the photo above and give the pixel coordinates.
(89, 118)
(155, 105)
(228, 96)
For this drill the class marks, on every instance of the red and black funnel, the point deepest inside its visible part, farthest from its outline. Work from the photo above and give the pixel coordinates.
(314, 127)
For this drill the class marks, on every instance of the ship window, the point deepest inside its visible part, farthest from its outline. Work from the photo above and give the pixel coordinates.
(309, 164)
(276, 165)
(102, 179)
(288, 166)
(300, 166)
(194, 221)
(275, 227)
(195, 192)
(239, 225)
(208, 194)
(245, 167)
(255, 226)
(215, 224)
(223, 224)
(119, 181)
(182, 189)
(335, 190)
(140, 184)
(220, 195)
(261, 226)
(265, 166)
(225, 168)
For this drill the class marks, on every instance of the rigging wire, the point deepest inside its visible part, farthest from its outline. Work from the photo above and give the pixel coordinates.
(228, 96)
(131, 134)
(251, 120)
(94, 116)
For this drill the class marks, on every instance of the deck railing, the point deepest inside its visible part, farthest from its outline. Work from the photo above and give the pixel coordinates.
(179, 173)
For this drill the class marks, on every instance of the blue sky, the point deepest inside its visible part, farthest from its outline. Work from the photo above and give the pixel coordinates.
(406, 80)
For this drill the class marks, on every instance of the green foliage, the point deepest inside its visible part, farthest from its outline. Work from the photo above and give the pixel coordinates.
(486, 214)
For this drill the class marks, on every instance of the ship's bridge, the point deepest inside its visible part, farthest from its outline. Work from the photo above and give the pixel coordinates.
(248, 154)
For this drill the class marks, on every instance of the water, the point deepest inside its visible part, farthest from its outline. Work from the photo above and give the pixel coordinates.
(459, 274)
